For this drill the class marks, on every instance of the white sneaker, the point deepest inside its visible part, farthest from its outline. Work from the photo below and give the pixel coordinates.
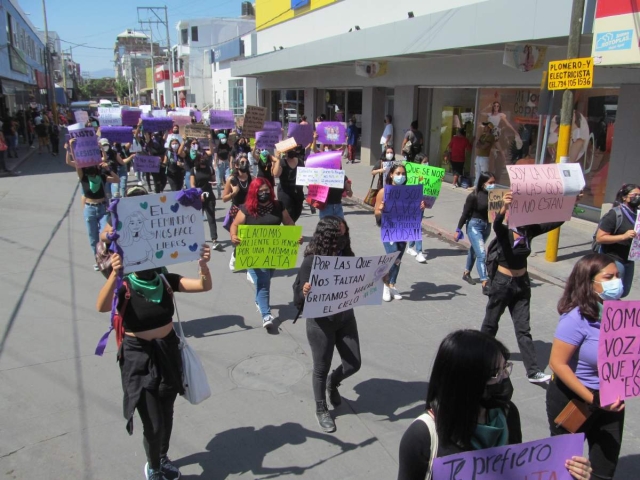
(386, 294)
(215, 245)
(232, 263)
(249, 279)
(267, 321)
(395, 294)
(411, 251)
(420, 258)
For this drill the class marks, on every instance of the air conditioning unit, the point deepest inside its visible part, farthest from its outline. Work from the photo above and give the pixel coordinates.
(248, 10)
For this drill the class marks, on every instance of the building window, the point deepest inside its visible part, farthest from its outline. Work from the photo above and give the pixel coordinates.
(236, 96)
(184, 36)
(194, 34)
(9, 32)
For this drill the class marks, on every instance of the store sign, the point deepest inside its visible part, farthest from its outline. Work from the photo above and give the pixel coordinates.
(524, 57)
(228, 51)
(178, 79)
(18, 61)
(162, 74)
(571, 74)
(615, 33)
(295, 4)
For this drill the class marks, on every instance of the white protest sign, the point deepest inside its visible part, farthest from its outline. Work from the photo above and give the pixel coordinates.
(81, 117)
(159, 113)
(320, 176)
(573, 181)
(156, 231)
(342, 283)
(145, 108)
(110, 117)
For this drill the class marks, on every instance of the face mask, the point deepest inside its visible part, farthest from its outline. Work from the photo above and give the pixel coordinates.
(326, 149)
(174, 147)
(105, 148)
(342, 242)
(635, 202)
(389, 156)
(490, 186)
(243, 167)
(611, 289)
(497, 395)
(264, 197)
(223, 141)
(175, 132)
(193, 154)
(399, 179)
(194, 148)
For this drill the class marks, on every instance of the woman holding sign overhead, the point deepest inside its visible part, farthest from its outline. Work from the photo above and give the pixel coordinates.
(574, 361)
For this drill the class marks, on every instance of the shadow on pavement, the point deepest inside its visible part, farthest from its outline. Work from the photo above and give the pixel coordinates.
(431, 291)
(628, 467)
(242, 450)
(202, 327)
(543, 351)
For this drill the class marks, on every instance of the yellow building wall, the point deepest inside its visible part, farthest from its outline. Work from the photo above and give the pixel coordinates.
(273, 12)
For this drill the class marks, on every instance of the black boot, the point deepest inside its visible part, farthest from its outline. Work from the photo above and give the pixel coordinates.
(332, 392)
(324, 418)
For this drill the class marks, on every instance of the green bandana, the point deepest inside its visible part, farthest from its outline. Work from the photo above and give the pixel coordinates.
(494, 434)
(152, 290)
(95, 182)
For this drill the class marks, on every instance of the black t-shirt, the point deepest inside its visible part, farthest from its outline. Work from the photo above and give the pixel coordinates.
(288, 176)
(264, 171)
(241, 197)
(223, 150)
(267, 215)
(172, 164)
(202, 178)
(142, 314)
(86, 189)
(113, 163)
(476, 206)
(619, 250)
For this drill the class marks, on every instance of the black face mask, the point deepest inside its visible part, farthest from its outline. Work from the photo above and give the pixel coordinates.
(635, 202)
(147, 274)
(243, 167)
(264, 197)
(497, 395)
(342, 242)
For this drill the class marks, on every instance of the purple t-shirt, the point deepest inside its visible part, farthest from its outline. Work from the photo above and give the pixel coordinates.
(576, 330)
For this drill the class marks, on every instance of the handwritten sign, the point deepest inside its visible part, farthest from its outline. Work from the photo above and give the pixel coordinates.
(331, 133)
(131, 116)
(619, 351)
(117, 134)
(81, 117)
(254, 118)
(318, 192)
(197, 131)
(634, 252)
(154, 124)
(145, 109)
(110, 116)
(285, 145)
(267, 246)
(146, 163)
(331, 160)
(495, 201)
(543, 193)
(86, 150)
(267, 139)
(320, 176)
(429, 177)
(156, 231)
(342, 283)
(272, 125)
(160, 113)
(540, 460)
(570, 74)
(221, 120)
(303, 134)
(401, 215)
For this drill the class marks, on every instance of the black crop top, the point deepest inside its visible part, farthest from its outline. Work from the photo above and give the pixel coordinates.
(86, 190)
(288, 176)
(267, 215)
(141, 314)
(476, 206)
(241, 197)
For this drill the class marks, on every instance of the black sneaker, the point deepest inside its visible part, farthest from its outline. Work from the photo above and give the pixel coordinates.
(334, 396)
(467, 278)
(168, 469)
(151, 474)
(325, 421)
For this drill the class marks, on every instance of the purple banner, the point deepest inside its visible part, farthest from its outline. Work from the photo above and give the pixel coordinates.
(272, 126)
(331, 133)
(302, 133)
(131, 117)
(330, 160)
(267, 139)
(401, 214)
(86, 150)
(146, 163)
(153, 124)
(221, 120)
(540, 460)
(117, 134)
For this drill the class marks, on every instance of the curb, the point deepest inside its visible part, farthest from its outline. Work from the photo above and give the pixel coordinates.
(27, 156)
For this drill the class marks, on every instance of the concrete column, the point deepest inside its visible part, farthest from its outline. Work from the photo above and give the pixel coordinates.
(320, 104)
(405, 111)
(373, 99)
(310, 104)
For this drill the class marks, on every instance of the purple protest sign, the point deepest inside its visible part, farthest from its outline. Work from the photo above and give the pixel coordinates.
(619, 351)
(541, 460)
(131, 117)
(318, 192)
(331, 133)
(401, 215)
(198, 115)
(146, 163)
(302, 133)
(117, 134)
(272, 126)
(267, 139)
(86, 150)
(153, 124)
(330, 160)
(221, 120)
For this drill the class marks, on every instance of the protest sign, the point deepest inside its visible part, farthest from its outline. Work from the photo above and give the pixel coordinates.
(267, 246)
(495, 197)
(267, 139)
(117, 134)
(81, 117)
(320, 176)
(153, 124)
(109, 116)
(145, 109)
(318, 192)
(343, 283)
(180, 120)
(538, 460)
(331, 133)
(303, 134)
(161, 113)
(186, 111)
(331, 160)
(269, 125)
(634, 252)
(619, 351)
(401, 214)
(156, 231)
(221, 120)
(146, 163)
(131, 116)
(86, 150)
(253, 120)
(429, 177)
(285, 145)
(543, 193)
(197, 131)
(198, 115)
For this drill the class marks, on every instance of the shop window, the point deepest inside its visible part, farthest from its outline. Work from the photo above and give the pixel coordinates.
(236, 96)
(184, 36)
(9, 31)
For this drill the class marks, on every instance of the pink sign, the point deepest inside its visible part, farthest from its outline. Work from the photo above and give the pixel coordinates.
(330, 160)
(318, 192)
(619, 351)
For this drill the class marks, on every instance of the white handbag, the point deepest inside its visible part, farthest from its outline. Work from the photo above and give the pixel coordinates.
(431, 425)
(194, 378)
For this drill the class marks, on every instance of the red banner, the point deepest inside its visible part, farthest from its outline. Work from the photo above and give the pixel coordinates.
(161, 75)
(41, 79)
(178, 79)
(611, 8)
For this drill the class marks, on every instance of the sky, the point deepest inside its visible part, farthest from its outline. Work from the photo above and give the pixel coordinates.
(80, 22)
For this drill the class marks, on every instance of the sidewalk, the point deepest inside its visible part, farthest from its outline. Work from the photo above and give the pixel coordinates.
(24, 153)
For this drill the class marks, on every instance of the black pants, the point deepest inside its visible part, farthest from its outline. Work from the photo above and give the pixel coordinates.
(341, 331)
(156, 414)
(209, 206)
(159, 181)
(292, 202)
(515, 293)
(603, 430)
(55, 143)
(176, 181)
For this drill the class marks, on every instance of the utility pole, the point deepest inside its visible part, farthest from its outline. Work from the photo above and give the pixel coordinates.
(169, 56)
(51, 94)
(566, 115)
(154, 18)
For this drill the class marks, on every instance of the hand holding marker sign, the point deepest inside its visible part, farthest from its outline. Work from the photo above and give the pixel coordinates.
(429, 177)
(86, 151)
(401, 215)
(267, 246)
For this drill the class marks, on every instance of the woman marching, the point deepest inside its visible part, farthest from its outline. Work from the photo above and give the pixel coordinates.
(174, 165)
(340, 331)
(203, 177)
(149, 356)
(574, 360)
(235, 191)
(290, 194)
(260, 208)
(475, 215)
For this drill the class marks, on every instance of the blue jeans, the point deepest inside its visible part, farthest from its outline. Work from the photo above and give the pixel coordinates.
(334, 209)
(262, 279)
(626, 270)
(221, 175)
(478, 232)
(418, 243)
(118, 189)
(95, 217)
(390, 247)
(187, 179)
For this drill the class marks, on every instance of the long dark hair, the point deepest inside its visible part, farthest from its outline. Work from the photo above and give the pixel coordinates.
(579, 292)
(482, 179)
(624, 191)
(465, 362)
(325, 238)
(389, 180)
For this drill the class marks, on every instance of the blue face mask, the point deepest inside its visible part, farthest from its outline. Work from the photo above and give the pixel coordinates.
(399, 179)
(490, 186)
(611, 289)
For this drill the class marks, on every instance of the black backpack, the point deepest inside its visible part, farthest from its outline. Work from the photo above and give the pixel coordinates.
(595, 246)
(493, 252)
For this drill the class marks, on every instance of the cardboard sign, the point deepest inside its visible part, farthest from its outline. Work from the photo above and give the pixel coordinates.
(540, 460)
(267, 139)
(495, 201)
(401, 214)
(267, 246)
(320, 176)
(146, 163)
(145, 108)
(331, 133)
(619, 351)
(221, 120)
(156, 231)
(86, 150)
(332, 160)
(342, 283)
(117, 134)
(81, 117)
(285, 145)
(254, 118)
(131, 116)
(303, 134)
(634, 252)
(543, 193)
(197, 131)
(429, 177)
(110, 116)
(318, 192)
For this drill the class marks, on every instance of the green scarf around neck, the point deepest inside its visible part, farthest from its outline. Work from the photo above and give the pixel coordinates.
(95, 182)
(152, 290)
(494, 433)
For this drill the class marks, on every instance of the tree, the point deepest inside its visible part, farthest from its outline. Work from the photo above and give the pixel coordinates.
(122, 89)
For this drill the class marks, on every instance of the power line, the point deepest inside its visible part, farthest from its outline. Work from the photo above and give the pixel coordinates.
(86, 46)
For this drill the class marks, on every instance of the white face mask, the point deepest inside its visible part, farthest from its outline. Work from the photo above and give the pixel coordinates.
(326, 149)
(389, 156)
(105, 148)
(175, 146)
(223, 140)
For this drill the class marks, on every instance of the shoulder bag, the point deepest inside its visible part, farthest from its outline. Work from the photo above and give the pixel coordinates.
(427, 418)
(370, 198)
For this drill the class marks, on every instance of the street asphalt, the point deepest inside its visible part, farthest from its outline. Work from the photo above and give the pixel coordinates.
(61, 406)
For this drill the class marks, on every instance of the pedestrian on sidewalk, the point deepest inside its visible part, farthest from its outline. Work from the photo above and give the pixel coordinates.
(352, 140)
(202, 177)
(483, 149)
(54, 139)
(9, 132)
(412, 142)
(3, 148)
(340, 331)
(457, 150)
(149, 354)
(386, 140)
(475, 215)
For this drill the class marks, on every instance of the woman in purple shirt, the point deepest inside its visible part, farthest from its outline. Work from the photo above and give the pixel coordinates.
(574, 360)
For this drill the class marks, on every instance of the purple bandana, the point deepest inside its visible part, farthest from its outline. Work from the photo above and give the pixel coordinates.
(190, 198)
